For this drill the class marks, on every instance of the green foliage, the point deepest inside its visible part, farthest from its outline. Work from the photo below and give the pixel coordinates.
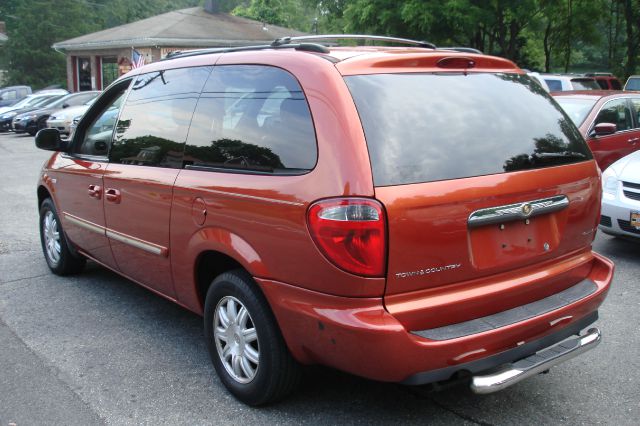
(28, 54)
(285, 13)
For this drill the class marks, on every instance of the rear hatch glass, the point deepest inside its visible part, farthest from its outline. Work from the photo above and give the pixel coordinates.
(444, 148)
(430, 127)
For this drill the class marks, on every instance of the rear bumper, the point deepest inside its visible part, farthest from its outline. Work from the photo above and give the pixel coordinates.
(61, 125)
(360, 336)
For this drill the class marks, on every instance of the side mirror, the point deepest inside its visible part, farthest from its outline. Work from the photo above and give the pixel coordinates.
(65, 106)
(603, 129)
(49, 140)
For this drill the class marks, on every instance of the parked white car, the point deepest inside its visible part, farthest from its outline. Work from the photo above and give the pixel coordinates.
(562, 82)
(62, 118)
(621, 197)
(535, 76)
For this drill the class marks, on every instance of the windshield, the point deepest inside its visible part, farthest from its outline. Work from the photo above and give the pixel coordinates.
(25, 102)
(576, 109)
(584, 84)
(430, 127)
(42, 101)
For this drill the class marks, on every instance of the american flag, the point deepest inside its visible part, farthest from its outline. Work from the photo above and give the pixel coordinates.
(137, 59)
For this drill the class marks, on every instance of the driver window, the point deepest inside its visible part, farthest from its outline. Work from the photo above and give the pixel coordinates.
(97, 138)
(616, 112)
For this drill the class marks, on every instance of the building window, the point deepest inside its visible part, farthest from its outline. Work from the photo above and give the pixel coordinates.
(109, 70)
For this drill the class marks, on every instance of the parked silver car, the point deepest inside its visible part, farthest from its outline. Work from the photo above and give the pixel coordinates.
(621, 197)
(62, 118)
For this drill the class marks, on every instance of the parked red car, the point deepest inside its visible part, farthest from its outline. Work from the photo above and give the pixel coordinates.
(609, 121)
(606, 80)
(406, 214)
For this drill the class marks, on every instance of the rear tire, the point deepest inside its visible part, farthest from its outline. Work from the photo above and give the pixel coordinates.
(245, 343)
(59, 257)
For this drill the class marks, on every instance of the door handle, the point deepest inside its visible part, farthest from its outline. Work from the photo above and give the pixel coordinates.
(633, 140)
(112, 195)
(95, 191)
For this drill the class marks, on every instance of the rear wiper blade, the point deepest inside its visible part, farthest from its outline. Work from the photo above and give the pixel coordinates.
(554, 155)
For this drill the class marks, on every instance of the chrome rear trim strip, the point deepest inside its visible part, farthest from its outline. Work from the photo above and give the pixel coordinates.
(518, 211)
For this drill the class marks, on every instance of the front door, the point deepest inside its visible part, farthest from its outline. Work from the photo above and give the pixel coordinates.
(607, 149)
(144, 161)
(81, 173)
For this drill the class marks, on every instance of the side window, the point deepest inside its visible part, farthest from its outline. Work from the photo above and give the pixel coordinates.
(79, 100)
(616, 112)
(155, 118)
(554, 85)
(635, 102)
(615, 84)
(97, 137)
(252, 117)
(603, 84)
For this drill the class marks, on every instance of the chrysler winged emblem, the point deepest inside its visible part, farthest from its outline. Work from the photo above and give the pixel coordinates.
(517, 211)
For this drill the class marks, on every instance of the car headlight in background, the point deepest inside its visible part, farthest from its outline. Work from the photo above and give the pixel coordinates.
(609, 184)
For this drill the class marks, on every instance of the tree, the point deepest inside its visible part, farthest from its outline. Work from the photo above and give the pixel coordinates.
(35, 25)
(28, 53)
(286, 13)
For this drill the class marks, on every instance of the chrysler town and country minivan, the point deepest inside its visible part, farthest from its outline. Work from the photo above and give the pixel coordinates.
(406, 214)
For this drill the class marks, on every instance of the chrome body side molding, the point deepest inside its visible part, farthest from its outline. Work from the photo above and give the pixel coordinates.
(518, 211)
(85, 224)
(114, 235)
(134, 242)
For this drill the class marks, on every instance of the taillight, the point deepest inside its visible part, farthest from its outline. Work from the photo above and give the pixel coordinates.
(350, 232)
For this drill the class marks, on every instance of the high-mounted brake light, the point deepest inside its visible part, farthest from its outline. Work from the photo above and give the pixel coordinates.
(456, 62)
(351, 233)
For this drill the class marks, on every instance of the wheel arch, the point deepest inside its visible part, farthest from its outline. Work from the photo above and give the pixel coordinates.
(43, 193)
(209, 265)
(215, 251)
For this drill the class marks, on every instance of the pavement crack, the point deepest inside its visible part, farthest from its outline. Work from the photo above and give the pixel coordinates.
(25, 278)
(442, 406)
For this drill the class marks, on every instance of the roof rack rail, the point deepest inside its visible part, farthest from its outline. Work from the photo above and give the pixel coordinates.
(287, 40)
(307, 47)
(463, 49)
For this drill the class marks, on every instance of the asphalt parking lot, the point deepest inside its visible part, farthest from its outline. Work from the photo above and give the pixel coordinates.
(95, 348)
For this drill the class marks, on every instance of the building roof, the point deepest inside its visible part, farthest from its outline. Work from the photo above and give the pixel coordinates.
(193, 27)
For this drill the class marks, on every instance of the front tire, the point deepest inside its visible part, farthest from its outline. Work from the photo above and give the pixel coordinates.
(59, 257)
(245, 343)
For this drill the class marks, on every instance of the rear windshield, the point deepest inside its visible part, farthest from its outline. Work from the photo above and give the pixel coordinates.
(584, 84)
(632, 84)
(430, 127)
(577, 109)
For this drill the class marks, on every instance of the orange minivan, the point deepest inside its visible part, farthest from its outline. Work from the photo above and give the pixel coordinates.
(403, 213)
